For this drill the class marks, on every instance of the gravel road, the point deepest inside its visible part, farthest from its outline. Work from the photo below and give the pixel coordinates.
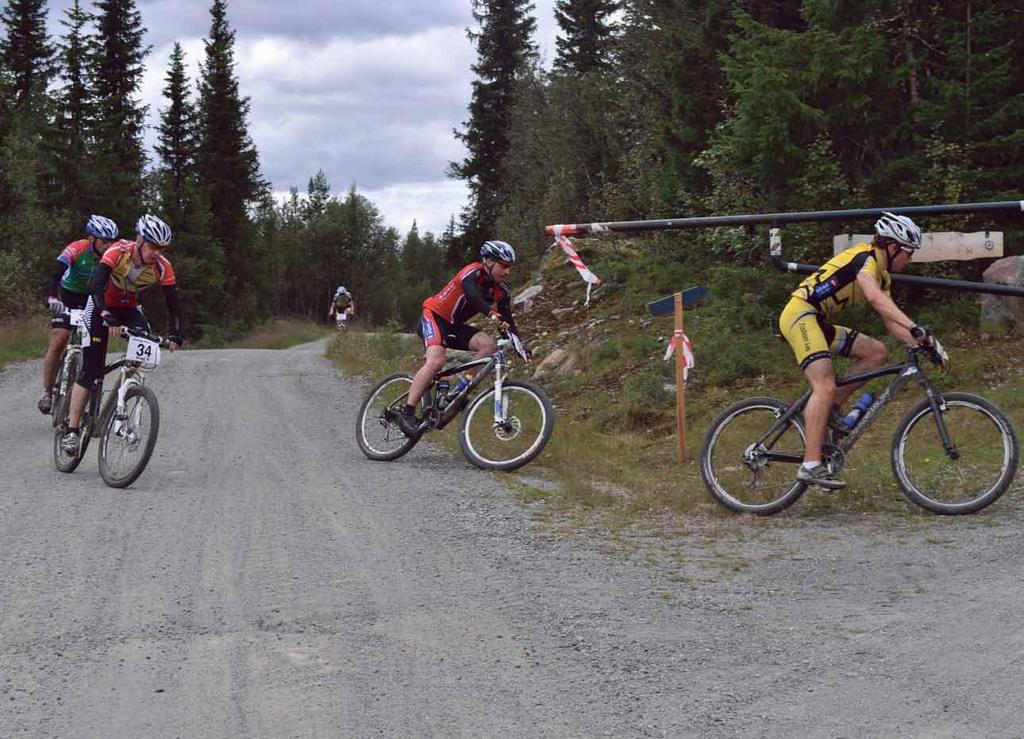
(262, 578)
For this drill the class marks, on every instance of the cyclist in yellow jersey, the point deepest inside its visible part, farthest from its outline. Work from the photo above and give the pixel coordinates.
(858, 274)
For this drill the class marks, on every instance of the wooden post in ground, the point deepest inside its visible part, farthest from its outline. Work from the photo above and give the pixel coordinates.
(675, 304)
(680, 381)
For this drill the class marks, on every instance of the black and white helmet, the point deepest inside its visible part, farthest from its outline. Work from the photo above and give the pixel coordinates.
(101, 227)
(900, 229)
(342, 290)
(499, 250)
(153, 230)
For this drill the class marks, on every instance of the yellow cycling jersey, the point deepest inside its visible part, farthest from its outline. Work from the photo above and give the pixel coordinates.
(834, 286)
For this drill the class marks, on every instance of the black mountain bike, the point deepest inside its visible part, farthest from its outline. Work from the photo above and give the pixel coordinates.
(69, 365)
(953, 453)
(503, 428)
(126, 423)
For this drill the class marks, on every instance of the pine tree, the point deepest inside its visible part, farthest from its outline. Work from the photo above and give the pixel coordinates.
(73, 123)
(198, 257)
(117, 69)
(505, 50)
(587, 35)
(176, 145)
(26, 51)
(318, 193)
(227, 160)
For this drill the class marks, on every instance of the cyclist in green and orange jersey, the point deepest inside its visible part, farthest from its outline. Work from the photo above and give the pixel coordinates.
(68, 287)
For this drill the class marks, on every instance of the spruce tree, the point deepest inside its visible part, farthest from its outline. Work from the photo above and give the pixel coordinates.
(227, 160)
(26, 51)
(198, 257)
(176, 145)
(505, 50)
(117, 69)
(587, 35)
(73, 122)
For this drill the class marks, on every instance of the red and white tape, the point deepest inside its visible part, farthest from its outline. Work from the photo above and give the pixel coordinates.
(678, 337)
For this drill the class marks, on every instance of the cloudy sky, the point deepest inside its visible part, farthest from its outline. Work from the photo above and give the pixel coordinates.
(367, 90)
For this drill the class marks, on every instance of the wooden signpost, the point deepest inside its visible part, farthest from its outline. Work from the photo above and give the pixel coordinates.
(675, 304)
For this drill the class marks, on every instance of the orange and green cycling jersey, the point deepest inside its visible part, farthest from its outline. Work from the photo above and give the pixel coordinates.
(126, 279)
(79, 259)
(834, 286)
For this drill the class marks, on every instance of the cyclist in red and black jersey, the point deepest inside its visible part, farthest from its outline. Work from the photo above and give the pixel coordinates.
(478, 288)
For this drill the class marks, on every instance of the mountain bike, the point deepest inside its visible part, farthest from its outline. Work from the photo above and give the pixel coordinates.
(953, 453)
(126, 422)
(70, 363)
(503, 428)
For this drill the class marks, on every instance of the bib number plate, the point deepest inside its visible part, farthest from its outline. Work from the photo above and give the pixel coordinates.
(143, 350)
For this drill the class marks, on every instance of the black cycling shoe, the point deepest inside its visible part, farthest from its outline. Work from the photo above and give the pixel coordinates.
(45, 404)
(408, 424)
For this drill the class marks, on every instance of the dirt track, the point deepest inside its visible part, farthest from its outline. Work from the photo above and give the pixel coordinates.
(263, 579)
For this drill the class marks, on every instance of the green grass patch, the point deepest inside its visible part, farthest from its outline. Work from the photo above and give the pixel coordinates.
(23, 338)
(278, 333)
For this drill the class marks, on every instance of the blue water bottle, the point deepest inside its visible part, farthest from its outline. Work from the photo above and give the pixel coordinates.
(464, 379)
(442, 392)
(861, 407)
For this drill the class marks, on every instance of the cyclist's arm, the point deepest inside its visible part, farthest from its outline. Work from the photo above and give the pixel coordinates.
(896, 320)
(53, 279)
(505, 309)
(474, 297)
(98, 284)
(173, 313)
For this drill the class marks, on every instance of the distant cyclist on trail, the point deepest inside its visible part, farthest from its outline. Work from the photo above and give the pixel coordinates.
(860, 273)
(342, 307)
(68, 287)
(126, 268)
(478, 288)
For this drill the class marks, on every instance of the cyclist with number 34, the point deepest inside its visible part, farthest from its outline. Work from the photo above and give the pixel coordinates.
(126, 268)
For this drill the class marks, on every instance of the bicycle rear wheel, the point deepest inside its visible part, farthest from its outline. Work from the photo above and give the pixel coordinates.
(529, 423)
(747, 476)
(973, 473)
(377, 431)
(127, 439)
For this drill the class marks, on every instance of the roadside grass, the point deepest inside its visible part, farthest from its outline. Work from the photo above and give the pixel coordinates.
(611, 463)
(23, 338)
(277, 333)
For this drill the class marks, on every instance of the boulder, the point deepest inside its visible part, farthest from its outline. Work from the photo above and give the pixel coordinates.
(558, 362)
(524, 300)
(1003, 310)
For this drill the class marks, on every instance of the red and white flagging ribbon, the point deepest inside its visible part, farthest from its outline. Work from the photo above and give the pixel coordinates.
(679, 337)
(589, 277)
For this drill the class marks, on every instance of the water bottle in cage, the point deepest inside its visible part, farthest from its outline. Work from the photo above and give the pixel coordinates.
(464, 380)
(442, 393)
(850, 419)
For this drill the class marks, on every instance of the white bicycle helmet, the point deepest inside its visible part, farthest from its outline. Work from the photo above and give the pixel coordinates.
(153, 230)
(499, 250)
(101, 227)
(900, 229)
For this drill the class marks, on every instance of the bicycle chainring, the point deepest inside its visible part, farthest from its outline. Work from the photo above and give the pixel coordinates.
(833, 458)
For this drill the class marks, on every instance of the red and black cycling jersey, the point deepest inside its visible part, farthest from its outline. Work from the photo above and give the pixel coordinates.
(470, 292)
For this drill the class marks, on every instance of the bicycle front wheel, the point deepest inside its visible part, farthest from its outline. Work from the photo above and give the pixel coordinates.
(377, 431)
(128, 438)
(976, 468)
(63, 387)
(749, 458)
(529, 422)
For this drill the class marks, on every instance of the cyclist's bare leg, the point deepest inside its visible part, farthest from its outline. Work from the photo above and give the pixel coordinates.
(483, 344)
(821, 376)
(869, 354)
(421, 381)
(79, 397)
(58, 340)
